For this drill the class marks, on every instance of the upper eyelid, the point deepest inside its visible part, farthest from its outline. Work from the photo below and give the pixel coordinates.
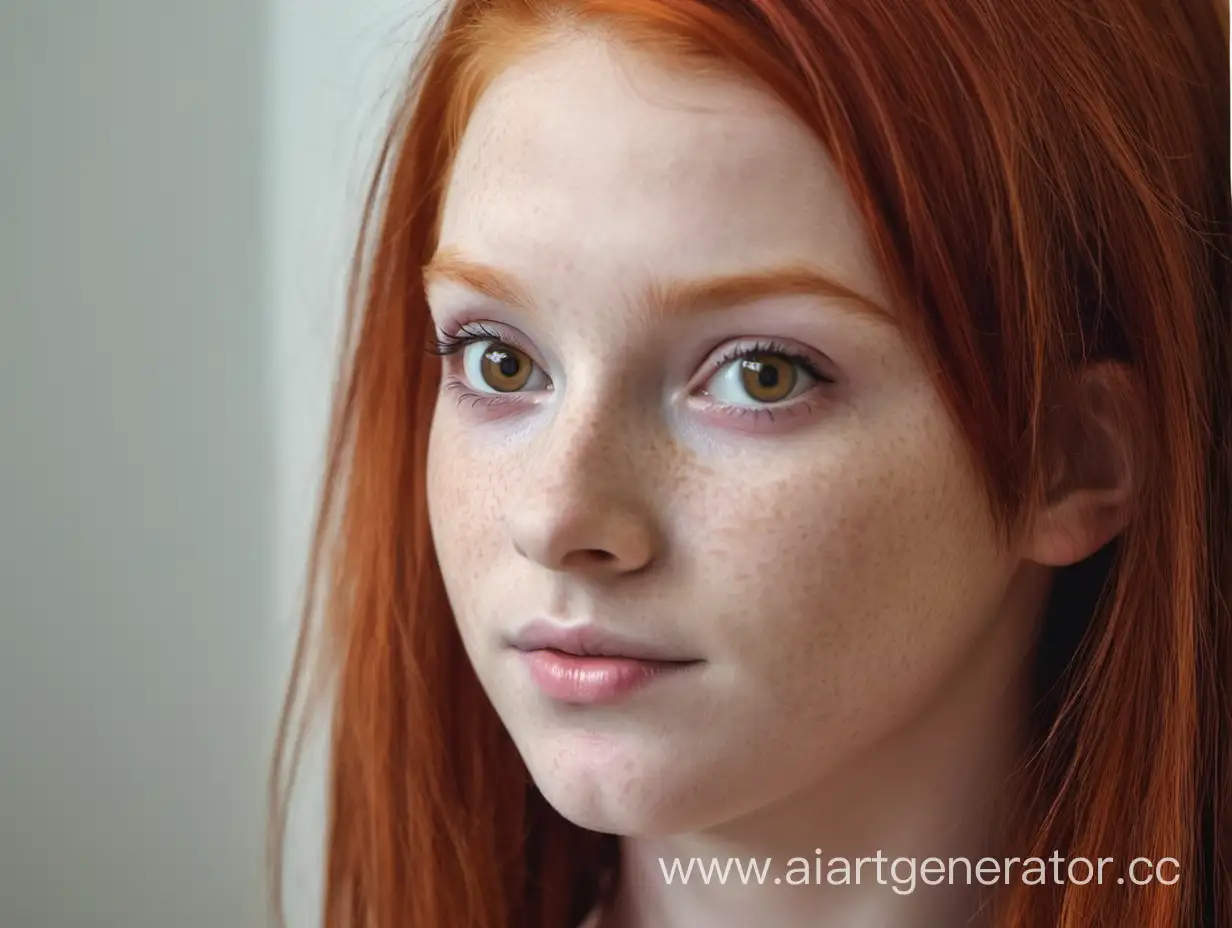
(487, 331)
(819, 363)
(758, 346)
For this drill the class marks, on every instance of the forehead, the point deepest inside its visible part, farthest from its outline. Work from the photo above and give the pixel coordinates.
(590, 158)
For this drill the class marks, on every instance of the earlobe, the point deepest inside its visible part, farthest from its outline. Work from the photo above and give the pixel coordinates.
(1092, 440)
(1077, 526)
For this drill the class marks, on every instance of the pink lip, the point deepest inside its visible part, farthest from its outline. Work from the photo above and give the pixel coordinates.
(585, 664)
(590, 680)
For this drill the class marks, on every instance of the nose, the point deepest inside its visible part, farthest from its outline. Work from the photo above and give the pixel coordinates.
(585, 507)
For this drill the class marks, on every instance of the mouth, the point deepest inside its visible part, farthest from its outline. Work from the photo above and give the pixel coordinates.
(583, 664)
(585, 640)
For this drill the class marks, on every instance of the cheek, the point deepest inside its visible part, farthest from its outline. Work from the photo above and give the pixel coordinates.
(464, 506)
(869, 557)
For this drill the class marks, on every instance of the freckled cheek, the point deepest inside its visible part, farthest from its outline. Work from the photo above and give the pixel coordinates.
(810, 562)
(468, 494)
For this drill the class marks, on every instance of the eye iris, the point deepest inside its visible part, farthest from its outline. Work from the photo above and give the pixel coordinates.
(767, 378)
(505, 369)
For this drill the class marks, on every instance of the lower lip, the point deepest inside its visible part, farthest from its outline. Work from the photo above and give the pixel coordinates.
(590, 680)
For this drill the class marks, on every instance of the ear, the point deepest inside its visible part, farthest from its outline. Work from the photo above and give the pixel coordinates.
(1089, 495)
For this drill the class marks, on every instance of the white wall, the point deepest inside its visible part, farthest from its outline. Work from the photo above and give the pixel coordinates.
(335, 69)
(178, 186)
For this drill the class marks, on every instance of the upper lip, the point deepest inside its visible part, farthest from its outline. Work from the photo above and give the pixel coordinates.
(586, 640)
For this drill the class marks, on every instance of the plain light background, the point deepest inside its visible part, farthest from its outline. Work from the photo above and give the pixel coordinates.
(179, 189)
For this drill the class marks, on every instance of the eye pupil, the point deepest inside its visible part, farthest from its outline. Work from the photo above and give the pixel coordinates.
(768, 378)
(505, 369)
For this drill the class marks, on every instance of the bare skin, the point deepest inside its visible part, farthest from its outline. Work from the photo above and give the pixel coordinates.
(818, 542)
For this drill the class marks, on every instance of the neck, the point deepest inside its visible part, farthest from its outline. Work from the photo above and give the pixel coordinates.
(850, 851)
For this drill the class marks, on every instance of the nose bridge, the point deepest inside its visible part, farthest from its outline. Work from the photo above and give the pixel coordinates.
(586, 499)
(593, 447)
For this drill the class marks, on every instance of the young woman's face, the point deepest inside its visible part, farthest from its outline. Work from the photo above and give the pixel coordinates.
(671, 432)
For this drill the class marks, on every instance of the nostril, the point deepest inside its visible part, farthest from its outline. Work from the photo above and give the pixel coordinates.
(596, 539)
(589, 557)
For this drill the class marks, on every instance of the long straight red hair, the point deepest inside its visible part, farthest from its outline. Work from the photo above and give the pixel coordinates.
(1045, 184)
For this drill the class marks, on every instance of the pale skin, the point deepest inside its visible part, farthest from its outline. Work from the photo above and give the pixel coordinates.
(828, 554)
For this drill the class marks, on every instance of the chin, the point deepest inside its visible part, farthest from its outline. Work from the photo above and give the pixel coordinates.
(619, 787)
(610, 807)
(604, 785)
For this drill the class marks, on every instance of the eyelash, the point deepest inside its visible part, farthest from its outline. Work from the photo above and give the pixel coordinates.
(445, 345)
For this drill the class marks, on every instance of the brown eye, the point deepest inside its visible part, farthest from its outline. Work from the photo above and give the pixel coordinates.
(504, 369)
(768, 378)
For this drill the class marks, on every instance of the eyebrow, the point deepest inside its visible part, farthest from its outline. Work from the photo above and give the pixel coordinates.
(681, 297)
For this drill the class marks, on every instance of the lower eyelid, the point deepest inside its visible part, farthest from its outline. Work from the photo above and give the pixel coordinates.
(465, 395)
(768, 420)
(806, 398)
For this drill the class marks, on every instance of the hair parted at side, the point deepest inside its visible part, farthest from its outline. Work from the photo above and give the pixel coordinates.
(1045, 184)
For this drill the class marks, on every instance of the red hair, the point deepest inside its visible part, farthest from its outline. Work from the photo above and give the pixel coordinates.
(1045, 184)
